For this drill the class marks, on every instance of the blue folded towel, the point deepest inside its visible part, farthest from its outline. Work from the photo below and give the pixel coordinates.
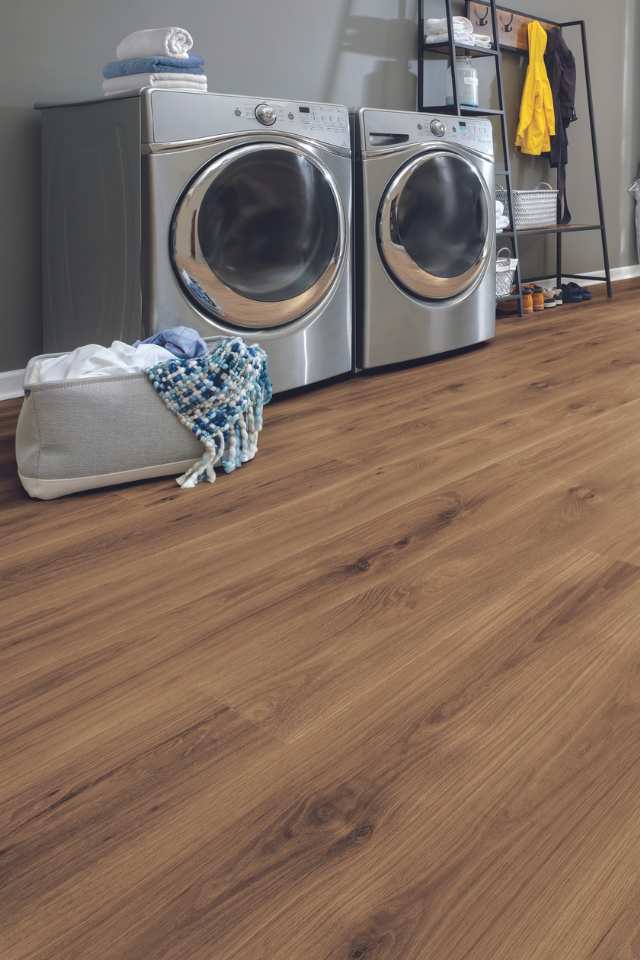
(127, 68)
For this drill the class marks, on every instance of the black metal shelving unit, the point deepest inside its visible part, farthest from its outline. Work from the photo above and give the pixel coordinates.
(451, 50)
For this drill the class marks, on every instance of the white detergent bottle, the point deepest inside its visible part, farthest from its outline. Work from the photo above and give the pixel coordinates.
(467, 81)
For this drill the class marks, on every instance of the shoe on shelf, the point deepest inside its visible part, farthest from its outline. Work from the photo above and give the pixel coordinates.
(552, 298)
(537, 294)
(507, 305)
(534, 298)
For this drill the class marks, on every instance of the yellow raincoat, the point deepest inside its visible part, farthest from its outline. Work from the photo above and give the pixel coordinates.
(537, 118)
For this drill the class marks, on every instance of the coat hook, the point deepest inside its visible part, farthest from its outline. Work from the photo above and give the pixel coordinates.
(482, 18)
(507, 25)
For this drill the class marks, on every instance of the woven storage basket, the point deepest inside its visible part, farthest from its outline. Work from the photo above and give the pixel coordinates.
(505, 273)
(532, 208)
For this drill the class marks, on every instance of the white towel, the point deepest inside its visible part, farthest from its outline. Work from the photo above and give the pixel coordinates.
(499, 208)
(195, 82)
(462, 27)
(460, 38)
(482, 40)
(157, 42)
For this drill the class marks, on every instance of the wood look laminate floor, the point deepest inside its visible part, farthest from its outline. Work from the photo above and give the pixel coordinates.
(377, 695)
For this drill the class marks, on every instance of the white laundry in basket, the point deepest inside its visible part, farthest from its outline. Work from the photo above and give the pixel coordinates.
(94, 360)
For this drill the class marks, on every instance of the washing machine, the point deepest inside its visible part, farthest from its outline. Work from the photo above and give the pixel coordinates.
(425, 234)
(230, 214)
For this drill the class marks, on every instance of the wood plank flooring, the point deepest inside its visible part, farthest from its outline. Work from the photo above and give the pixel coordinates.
(374, 697)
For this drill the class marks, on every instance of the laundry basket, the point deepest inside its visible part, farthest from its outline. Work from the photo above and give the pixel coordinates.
(532, 208)
(91, 432)
(505, 273)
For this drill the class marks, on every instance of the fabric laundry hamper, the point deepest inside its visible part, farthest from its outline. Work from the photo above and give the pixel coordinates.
(75, 435)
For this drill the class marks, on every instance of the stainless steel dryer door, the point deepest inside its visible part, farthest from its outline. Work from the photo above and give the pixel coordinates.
(258, 237)
(434, 225)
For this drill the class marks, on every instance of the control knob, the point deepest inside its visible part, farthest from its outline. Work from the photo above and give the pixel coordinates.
(438, 128)
(266, 114)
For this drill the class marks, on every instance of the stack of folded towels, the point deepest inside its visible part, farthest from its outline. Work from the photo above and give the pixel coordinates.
(160, 58)
(437, 31)
(502, 220)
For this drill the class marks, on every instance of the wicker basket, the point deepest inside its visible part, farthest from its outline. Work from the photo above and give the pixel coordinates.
(532, 208)
(505, 273)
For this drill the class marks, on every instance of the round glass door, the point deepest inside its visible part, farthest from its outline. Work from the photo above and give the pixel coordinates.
(259, 236)
(433, 226)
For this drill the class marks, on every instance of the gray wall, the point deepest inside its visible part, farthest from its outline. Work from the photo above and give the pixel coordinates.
(350, 51)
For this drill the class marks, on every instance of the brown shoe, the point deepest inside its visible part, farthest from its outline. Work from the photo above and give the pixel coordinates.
(538, 299)
(507, 305)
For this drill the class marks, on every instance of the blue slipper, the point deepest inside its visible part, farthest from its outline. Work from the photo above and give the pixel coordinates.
(571, 296)
(580, 293)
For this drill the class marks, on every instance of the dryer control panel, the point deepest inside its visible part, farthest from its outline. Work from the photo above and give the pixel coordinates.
(177, 117)
(387, 128)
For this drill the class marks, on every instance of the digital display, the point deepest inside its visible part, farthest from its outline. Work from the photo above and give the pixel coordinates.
(305, 109)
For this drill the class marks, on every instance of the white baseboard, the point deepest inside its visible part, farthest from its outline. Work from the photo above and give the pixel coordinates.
(11, 384)
(617, 273)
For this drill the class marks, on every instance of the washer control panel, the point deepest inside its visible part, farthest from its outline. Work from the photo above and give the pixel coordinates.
(328, 123)
(174, 116)
(388, 128)
(471, 133)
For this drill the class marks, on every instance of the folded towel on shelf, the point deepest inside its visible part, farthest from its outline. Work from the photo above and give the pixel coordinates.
(158, 41)
(461, 25)
(461, 38)
(482, 40)
(196, 82)
(437, 31)
(135, 65)
(502, 220)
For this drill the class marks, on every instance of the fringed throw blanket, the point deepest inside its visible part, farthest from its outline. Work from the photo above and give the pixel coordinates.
(219, 397)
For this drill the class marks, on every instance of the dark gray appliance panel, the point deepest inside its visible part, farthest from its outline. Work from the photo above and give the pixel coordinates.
(91, 227)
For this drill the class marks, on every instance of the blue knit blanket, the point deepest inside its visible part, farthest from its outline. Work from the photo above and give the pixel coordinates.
(219, 397)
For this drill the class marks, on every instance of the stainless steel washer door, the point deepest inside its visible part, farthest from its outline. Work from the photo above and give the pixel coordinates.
(434, 225)
(259, 236)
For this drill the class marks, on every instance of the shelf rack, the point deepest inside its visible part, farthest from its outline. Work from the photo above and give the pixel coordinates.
(451, 50)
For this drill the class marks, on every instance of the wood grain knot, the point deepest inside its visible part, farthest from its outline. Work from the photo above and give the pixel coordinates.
(582, 493)
(622, 362)
(449, 513)
(352, 840)
(358, 835)
(359, 951)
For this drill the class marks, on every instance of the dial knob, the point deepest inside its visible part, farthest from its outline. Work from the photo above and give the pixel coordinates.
(266, 114)
(438, 128)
